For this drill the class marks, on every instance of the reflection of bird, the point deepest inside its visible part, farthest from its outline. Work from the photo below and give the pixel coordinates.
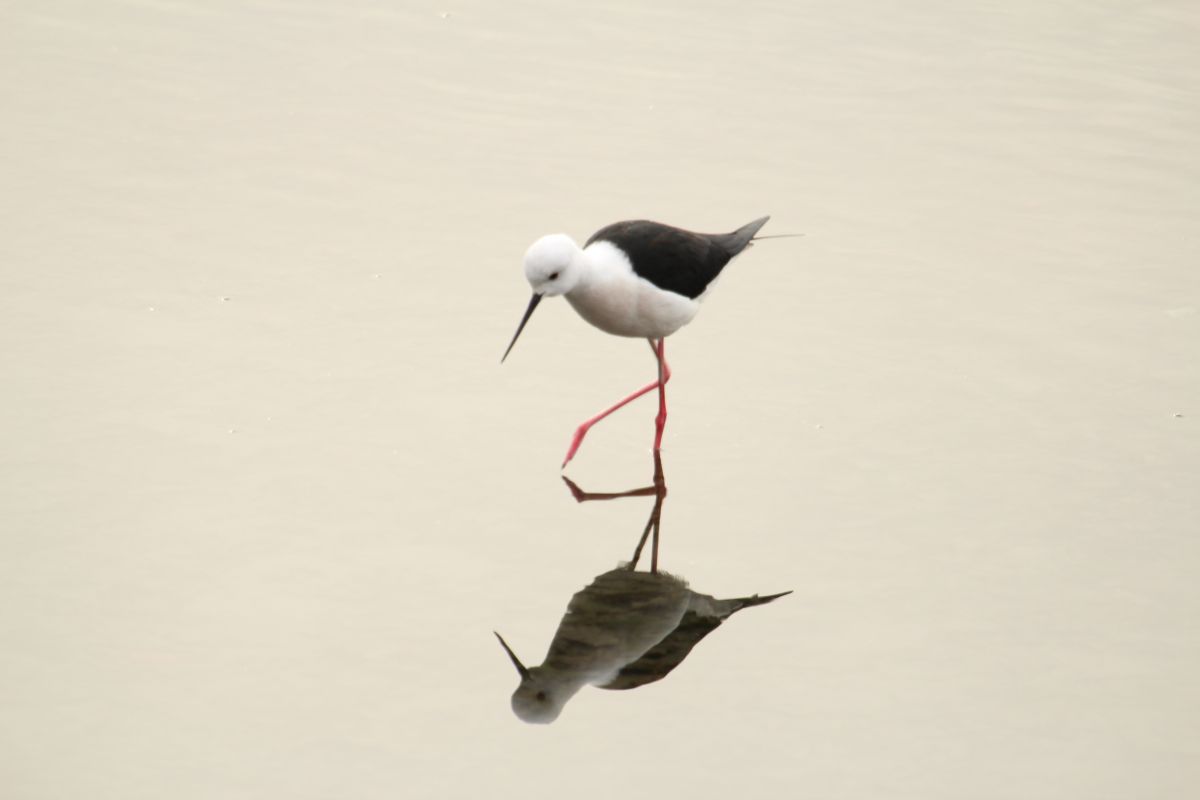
(624, 630)
(639, 278)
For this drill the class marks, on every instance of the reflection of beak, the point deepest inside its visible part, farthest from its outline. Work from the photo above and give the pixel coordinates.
(521, 668)
(533, 301)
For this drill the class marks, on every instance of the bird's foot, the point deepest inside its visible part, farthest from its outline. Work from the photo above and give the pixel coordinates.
(576, 492)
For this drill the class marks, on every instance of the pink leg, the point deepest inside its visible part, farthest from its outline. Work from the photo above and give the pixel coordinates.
(660, 421)
(664, 375)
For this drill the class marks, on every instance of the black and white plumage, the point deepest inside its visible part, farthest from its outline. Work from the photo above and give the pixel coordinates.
(636, 278)
(673, 259)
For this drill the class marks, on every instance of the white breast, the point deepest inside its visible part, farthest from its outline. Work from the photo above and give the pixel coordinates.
(614, 299)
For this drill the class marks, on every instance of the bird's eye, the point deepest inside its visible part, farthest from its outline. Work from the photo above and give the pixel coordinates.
(553, 276)
(541, 696)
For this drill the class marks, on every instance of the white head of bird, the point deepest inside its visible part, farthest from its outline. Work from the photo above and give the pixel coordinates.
(553, 265)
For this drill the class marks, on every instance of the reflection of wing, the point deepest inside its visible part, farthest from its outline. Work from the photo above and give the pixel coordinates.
(613, 621)
(704, 615)
(667, 654)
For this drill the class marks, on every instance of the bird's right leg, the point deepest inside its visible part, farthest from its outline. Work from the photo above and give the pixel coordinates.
(581, 431)
(660, 421)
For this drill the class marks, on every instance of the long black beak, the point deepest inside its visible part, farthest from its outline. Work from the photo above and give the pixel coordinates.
(521, 668)
(533, 302)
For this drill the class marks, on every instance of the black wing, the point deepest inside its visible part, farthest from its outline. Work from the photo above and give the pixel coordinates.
(674, 259)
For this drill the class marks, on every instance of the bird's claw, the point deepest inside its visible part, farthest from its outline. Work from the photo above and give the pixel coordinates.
(576, 492)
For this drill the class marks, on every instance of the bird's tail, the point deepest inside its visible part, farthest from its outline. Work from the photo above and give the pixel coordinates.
(739, 240)
(725, 608)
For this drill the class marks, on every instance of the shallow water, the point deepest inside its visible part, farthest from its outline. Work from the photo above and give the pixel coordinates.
(268, 490)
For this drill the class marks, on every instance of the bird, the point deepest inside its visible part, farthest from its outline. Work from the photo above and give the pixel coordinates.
(635, 278)
(624, 630)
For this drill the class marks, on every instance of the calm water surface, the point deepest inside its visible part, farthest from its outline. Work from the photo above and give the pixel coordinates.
(268, 491)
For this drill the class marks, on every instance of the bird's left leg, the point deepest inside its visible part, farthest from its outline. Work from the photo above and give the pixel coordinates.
(664, 375)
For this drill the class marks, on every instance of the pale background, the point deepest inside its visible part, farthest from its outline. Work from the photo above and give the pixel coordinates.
(266, 490)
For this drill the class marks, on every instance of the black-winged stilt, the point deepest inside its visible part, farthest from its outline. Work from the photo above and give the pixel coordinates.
(638, 279)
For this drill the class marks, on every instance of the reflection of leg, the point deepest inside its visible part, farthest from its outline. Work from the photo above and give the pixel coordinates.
(637, 553)
(664, 375)
(582, 497)
(654, 546)
(653, 524)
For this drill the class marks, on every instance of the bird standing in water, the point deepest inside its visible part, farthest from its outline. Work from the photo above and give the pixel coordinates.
(637, 279)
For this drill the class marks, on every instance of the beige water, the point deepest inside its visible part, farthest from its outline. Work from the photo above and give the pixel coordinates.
(267, 490)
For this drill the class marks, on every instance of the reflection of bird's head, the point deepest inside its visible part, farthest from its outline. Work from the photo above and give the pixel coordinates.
(535, 700)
